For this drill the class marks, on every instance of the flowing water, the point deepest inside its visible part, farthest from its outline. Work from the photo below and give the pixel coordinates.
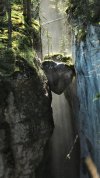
(55, 164)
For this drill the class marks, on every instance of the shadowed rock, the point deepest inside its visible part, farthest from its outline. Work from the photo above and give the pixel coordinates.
(26, 121)
(59, 75)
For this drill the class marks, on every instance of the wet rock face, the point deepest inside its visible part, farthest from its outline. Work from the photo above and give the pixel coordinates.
(87, 110)
(26, 123)
(59, 75)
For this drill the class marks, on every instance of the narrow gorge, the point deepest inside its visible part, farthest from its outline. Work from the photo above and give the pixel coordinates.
(50, 89)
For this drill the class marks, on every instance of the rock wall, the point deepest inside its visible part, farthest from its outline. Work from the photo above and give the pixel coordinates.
(26, 121)
(86, 109)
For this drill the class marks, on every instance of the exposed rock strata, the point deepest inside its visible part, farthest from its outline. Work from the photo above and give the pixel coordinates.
(86, 110)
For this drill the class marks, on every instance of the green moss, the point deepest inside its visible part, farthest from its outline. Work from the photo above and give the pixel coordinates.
(34, 31)
(24, 40)
(35, 25)
(59, 58)
(84, 11)
(24, 43)
(81, 35)
(27, 55)
(97, 97)
(7, 61)
(17, 15)
(81, 13)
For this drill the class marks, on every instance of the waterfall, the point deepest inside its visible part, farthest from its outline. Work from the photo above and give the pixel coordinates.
(55, 164)
(62, 118)
(62, 140)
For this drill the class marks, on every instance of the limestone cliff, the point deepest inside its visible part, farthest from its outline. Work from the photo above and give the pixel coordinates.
(82, 95)
(84, 91)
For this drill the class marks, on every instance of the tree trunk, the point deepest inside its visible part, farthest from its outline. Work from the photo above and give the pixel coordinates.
(2, 8)
(24, 9)
(2, 14)
(27, 11)
(8, 6)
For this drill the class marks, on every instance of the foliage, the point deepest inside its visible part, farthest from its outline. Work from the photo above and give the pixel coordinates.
(7, 61)
(80, 13)
(81, 33)
(24, 43)
(27, 55)
(83, 11)
(25, 38)
(97, 97)
(17, 1)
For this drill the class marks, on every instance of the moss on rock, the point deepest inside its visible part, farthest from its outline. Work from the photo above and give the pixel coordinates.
(7, 61)
(25, 41)
(59, 58)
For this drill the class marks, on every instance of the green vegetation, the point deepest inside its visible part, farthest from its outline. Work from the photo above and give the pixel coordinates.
(7, 61)
(81, 13)
(97, 97)
(25, 38)
(59, 58)
(84, 11)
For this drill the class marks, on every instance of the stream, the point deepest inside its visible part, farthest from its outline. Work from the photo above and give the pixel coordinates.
(55, 164)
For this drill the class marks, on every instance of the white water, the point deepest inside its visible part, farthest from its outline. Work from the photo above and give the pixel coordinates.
(62, 138)
(62, 118)
(55, 164)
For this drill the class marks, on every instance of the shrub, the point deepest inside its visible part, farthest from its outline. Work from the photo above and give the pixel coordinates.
(24, 43)
(7, 61)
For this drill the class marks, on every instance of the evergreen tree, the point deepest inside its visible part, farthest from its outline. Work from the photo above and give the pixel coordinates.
(2, 7)
(27, 11)
(8, 7)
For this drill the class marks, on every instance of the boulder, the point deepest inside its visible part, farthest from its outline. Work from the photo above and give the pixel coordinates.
(59, 75)
(26, 121)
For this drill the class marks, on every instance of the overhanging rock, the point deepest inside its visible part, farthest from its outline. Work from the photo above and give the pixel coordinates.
(59, 75)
